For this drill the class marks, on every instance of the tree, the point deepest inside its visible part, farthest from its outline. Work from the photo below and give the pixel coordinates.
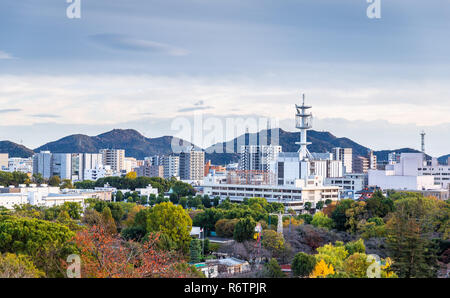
(183, 202)
(104, 256)
(225, 227)
(332, 254)
(18, 266)
(216, 201)
(208, 218)
(408, 237)
(308, 206)
(66, 183)
(45, 242)
(273, 269)
(171, 220)
(54, 181)
(131, 175)
(38, 178)
(322, 221)
(322, 269)
(206, 201)
(244, 229)
(338, 215)
(356, 265)
(273, 242)
(119, 196)
(355, 247)
(195, 248)
(303, 264)
(108, 221)
(378, 205)
(306, 217)
(319, 205)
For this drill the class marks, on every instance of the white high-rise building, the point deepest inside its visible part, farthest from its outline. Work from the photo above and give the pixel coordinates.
(258, 157)
(345, 155)
(61, 165)
(130, 163)
(42, 164)
(171, 165)
(115, 158)
(70, 166)
(192, 164)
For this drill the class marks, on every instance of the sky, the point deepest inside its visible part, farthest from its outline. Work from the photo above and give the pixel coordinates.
(143, 64)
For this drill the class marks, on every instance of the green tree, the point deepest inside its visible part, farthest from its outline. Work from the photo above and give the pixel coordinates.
(38, 178)
(322, 221)
(355, 247)
(408, 237)
(119, 196)
(273, 242)
(183, 202)
(332, 254)
(225, 227)
(66, 183)
(18, 266)
(195, 248)
(171, 220)
(338, 214)
(303, 264)
(244, 229)
(273, 269)
(108, 221)
(356, 265)
(45, 242)
(54, 181)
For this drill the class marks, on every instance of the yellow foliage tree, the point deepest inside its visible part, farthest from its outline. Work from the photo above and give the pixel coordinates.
(131, 175)
(294, 222)
(322, 270)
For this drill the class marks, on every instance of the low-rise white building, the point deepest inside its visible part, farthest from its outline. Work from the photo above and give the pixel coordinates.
(292, 196)
(46, 196)
(413, 172)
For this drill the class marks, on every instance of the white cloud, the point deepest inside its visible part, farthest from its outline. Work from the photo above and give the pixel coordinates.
(5, 56)
(110, 100)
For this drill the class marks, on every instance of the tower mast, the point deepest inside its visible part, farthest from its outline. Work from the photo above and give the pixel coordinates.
(303, 121)
(422, 137)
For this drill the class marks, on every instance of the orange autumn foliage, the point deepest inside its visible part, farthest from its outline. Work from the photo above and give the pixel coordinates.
(109, 256)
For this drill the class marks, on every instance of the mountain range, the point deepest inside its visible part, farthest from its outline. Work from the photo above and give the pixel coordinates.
(138, 146)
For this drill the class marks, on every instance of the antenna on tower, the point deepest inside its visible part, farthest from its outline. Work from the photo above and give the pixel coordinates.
(422, 137)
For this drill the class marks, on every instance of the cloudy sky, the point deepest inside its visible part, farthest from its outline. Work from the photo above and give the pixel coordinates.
(143, 63)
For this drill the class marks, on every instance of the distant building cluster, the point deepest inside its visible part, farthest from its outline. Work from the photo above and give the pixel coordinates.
(299, 180)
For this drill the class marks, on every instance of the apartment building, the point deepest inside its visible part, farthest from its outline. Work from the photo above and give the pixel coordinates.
(115, 158)
(258, 157)
(192, 164)
(345, 155)
(171, 165)
(149, 170)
